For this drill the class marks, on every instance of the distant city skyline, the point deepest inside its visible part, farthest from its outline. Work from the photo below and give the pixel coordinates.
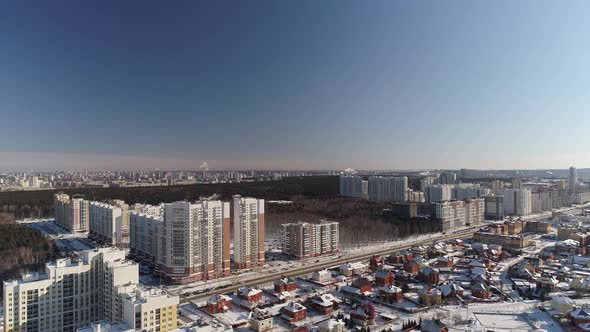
(294, 85)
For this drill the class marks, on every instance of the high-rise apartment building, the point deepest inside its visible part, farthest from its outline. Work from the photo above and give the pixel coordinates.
(71, 213)
(517, 183)
(453, 214)
(427, 181)
(467, 190)
(353, 186)
(494, 208)
(304, 239)
(109, 223)
(497, 186)
(517, 202)
(386, 189)
(572, 180)
(248, 232)
(193, 241)
(474, 211)
(69, 295)
(438, 192)
(447, 178)
(145, 223)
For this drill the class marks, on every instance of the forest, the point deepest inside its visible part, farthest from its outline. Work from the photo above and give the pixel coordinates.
(22, 249)
(39, 203)
(361, 221)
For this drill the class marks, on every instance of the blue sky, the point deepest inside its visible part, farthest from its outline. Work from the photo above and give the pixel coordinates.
(294, 84)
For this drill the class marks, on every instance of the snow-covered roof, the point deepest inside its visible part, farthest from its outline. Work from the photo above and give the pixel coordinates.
(390, 289)
(330, 324)
(382, 273)
(326, 300)
(580, 313)
(294, 307)
(215, 298)
(562, 300)
(480, 287)
(447, 288)
(249, 291)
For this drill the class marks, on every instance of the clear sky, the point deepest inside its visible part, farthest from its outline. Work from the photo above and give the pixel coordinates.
(294, 84)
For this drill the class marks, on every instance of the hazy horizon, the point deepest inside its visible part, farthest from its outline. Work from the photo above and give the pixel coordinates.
(294, 85)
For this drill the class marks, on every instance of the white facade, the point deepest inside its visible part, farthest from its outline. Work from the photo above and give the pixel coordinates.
(304, 239)
(385, 189)
(497, 186)
(437, 192)
(248, 231)
(353, 186)
(427, 181)
(572, 180)
(144, 224)
(454, 214)
(581, 198)
(517, 202)
(71, 214)
(193, 240)
(467, 191)
(150, 309)
(109, 223)
(69, 295)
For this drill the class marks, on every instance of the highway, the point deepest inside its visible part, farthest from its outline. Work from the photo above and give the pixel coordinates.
(269, 277)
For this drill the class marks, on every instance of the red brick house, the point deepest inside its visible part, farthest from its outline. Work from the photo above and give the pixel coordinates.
(219, 303)
(284, 285)
(250, 294)
(411, 267)
(444, 261)
(293, 312)
(390, 293)
(450, 290)
(402, 276)
(364, 314)
(481, 291)
(396, 258)
(363, 284)
(384, 277)
(326, 304)
(375, 263)
(429, 275)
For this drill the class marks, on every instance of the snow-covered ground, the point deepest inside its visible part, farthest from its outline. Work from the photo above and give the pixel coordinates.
(65, 240)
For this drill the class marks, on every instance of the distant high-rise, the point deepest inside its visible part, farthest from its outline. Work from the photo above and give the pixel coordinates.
(494, 207)
(109, 223)
(304, 239)
(145, 222)
(438, 192)
(468, 190)
(248, 232)
(426, 181)
(517, 183)
(497, 186)
(385, 189)
(453, 214)
(447, 178)
(572, 180)
(353, 186)
(517, 202)
(71, 213)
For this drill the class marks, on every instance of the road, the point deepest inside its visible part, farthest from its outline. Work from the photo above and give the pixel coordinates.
(461, 234)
